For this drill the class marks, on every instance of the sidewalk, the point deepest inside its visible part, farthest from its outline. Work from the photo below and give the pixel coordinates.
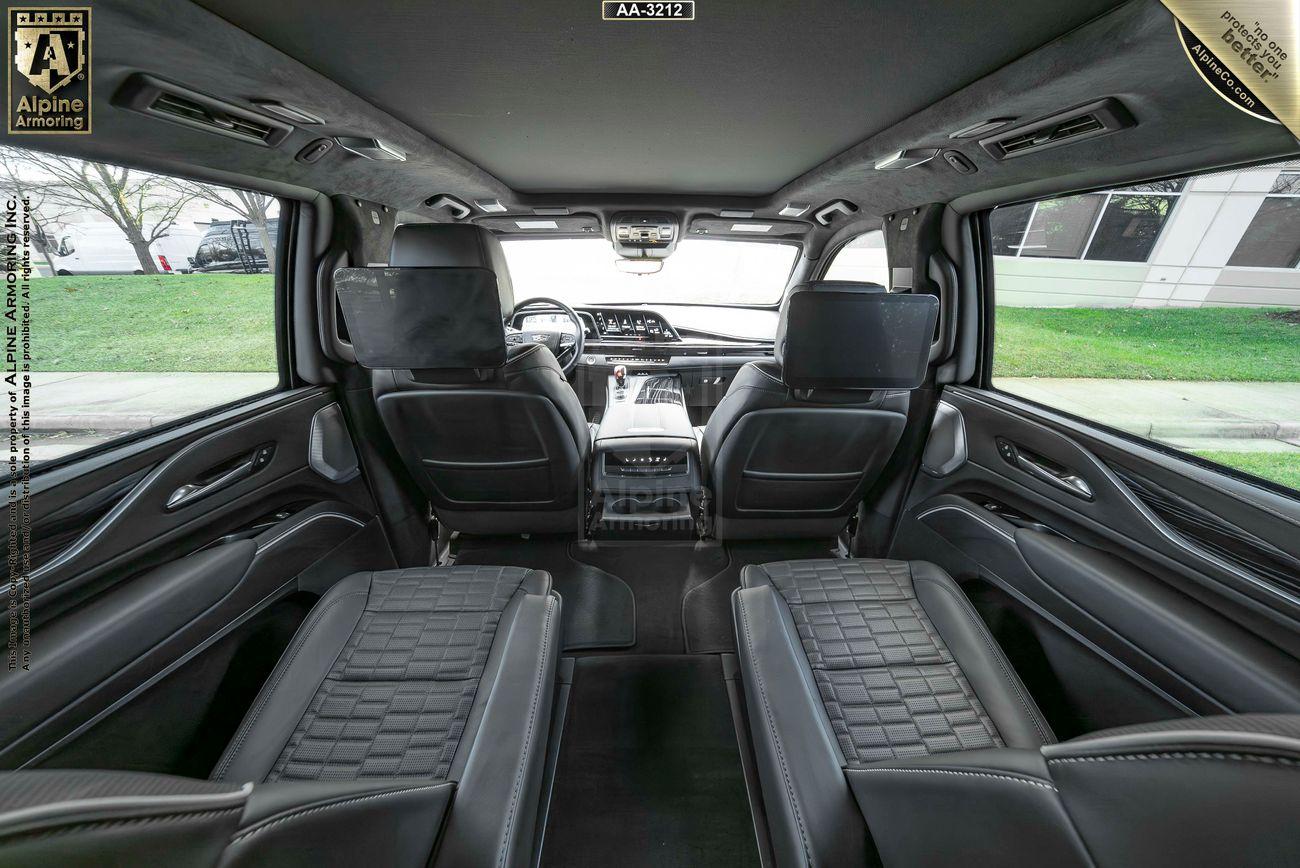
(122, 402)
(1236, 417)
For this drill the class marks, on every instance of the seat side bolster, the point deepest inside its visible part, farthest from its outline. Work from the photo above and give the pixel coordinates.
(294, 681)
(328, 823)
(500, 760)
(967, 809)
(981, 660)
(810, 810)
(1221, 790)
(71, 817)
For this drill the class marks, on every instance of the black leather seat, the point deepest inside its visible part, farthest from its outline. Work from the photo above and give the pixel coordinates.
(794, 442)
(875, 691)
(401, 690)
(497, 450)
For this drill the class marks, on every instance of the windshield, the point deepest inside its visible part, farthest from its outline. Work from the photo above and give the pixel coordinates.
(582, 271)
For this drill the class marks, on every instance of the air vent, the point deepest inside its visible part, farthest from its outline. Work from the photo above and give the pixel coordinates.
(1085, 122)
(170, 102)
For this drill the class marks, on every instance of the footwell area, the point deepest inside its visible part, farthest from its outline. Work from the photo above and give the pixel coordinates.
(649, 770)
(669, 597)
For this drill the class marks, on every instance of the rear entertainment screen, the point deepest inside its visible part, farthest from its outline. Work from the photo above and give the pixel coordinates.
(416, 318)
(858, 340)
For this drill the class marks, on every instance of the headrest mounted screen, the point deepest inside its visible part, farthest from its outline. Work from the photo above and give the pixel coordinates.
(858, 340)
(419, 318)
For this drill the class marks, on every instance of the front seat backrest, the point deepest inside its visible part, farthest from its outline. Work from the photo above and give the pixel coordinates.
(794, 442)
(495, 436)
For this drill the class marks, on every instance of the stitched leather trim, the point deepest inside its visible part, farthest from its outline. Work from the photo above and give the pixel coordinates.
(1226, 756)
(267, 692)
(1008, 674)
(271, 822)
(528, 735)
(767, 718)
(1033, 782)
(178, 817)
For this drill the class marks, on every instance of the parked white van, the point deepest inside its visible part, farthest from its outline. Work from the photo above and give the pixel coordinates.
(102, 248)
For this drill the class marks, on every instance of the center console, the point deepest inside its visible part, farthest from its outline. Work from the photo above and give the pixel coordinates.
(646, 462)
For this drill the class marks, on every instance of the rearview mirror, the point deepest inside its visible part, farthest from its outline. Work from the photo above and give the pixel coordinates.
(639, 266)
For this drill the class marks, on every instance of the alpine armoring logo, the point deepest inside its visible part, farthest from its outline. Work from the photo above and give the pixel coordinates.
(49, 79)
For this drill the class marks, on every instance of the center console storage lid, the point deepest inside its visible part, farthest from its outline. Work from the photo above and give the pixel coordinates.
(632, 420)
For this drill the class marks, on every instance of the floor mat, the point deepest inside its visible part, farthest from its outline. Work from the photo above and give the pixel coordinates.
(706, 605)
(598, 610)
(649, 771)
(659, 574)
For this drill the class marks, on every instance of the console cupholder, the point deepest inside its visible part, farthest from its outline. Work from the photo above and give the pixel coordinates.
(664, 504)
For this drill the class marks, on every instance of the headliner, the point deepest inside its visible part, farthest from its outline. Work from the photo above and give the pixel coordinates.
(549, 98)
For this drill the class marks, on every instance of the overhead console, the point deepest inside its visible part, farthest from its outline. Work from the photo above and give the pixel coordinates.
(644, 234)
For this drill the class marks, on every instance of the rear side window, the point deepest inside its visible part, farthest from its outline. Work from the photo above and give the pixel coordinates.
(1170, 311)
(863, 259)
(152, 297)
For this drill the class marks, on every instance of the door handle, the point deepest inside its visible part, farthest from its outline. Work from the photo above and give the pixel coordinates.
(1059, 477)
(187, 494)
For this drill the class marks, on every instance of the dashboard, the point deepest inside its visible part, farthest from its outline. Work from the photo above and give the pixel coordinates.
(603, 324)
(629, 325)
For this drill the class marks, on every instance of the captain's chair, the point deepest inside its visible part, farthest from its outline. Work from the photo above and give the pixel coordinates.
(795, 441)
(496, 437)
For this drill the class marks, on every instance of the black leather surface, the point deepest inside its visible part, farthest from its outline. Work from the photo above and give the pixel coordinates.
(845, 668)
(83, 649)
(453, 246)
(411, 679)
(781, 465)
(339, 825)
(502, 455)
(87, 819)
(499, 450)
(1220, 791)
(977, 809)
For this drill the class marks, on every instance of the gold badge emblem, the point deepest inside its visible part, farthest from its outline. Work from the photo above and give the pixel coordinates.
(50, 47)
(49, 77)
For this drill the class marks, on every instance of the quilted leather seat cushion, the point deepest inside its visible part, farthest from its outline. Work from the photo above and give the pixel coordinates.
(397, 679)
(889, 682)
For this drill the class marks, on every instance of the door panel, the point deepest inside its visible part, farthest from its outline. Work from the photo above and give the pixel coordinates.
(145, 580)
(1125, 584)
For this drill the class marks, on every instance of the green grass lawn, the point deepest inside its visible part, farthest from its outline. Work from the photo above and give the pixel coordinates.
(1280, 467)
(177, 322)
(1206, 343)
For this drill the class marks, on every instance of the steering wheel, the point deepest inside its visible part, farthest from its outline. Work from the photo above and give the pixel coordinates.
(566, 347)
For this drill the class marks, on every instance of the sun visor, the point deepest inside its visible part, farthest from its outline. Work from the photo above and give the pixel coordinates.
(417, 318)
(747, 227)
(857, 340)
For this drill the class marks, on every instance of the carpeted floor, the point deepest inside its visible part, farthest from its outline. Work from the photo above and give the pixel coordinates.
(649, 770)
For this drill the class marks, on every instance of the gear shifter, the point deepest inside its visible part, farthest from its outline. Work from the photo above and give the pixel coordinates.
(620, 376)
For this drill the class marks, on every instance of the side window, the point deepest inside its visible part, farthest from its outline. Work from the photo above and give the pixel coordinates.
(1170, 311)
(145, 306)
(863, 259)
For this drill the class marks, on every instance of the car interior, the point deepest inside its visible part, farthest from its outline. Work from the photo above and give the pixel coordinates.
(597, 518)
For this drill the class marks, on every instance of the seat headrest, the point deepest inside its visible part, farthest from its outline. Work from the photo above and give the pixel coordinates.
(453, 245)
(422, 318)
(838, 334)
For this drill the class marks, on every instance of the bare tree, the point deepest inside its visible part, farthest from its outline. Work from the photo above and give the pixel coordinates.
(142, 205)
(254, 207)
(45, 218)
